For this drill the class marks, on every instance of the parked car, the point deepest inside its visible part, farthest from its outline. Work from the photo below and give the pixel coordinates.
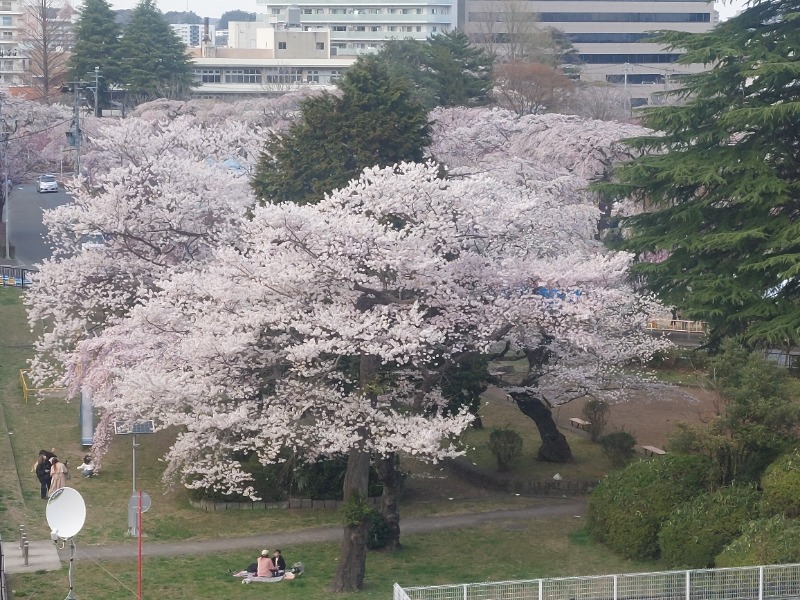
(46, 183)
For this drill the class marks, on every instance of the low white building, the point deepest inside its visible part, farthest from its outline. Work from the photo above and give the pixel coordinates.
(363, 26)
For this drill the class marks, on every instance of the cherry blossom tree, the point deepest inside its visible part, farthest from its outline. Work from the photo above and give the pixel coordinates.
(327, 327)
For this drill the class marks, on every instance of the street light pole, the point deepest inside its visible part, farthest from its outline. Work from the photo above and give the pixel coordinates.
(96, 91)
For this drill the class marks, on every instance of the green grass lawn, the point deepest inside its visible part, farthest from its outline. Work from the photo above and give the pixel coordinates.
(504, 550)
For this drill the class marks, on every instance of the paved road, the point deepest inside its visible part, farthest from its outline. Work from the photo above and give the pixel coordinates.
(27, 229)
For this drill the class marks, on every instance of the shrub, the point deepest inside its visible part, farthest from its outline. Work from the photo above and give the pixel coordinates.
(781, 485)
(619, 448)
(506, 445)
(379, 531)
(627, 508)
(763, 542)
(697, 531)
(596, 412)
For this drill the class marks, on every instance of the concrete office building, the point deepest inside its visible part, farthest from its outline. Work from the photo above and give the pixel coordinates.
(192, 33)
(611, 36)
(12, 62)
(362, 26)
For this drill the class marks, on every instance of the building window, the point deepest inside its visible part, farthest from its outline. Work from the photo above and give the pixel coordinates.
(276, 11)
(339, 28)
(408, 28)
(375, 28)
(319, 11)
(312, 76)
(207, 75)
(284, 75)
(307, 11)
(375, 11)
(632, 17)
(242, 76)
(636, 78)
(434, 29)
(335, 75)
(320, 45)
(419, 11)
(5, 6)
(359, 28)
(406, 11)
(621, 59)
(608, 38)
(419, 27)
(281, 45)
(433, 11)
(8, 35)
(392, 28)
(6, 21)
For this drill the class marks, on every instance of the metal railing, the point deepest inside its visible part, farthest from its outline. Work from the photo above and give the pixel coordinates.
(681, 325)
(3, 588)
(773, 582)
(15, 276)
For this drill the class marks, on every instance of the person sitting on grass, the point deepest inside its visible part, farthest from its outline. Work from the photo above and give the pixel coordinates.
(266, 567)
(87, 466)
(279, 562)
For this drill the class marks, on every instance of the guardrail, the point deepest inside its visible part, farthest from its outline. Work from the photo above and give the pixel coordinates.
(3, 588)
(27, 390)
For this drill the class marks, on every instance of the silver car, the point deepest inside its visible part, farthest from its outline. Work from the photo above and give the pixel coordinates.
(46, 183)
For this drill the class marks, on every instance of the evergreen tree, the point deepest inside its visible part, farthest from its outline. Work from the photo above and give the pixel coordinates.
(463, 72)
(96, 43)
(154, 62)
(234, 15)
(376, 121)
(446, 69)
(720, 180)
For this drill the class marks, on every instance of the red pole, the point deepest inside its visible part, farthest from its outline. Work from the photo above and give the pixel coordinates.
(139, 530)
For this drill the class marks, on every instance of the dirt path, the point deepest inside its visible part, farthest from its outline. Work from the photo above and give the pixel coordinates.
(544, 509)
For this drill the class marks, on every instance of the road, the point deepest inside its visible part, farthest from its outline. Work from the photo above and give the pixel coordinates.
(27, 229)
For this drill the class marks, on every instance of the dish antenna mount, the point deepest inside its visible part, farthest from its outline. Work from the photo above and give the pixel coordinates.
(66, 514)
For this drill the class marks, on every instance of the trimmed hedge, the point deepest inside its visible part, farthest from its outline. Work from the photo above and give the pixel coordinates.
(781, 485)
(770, 541)
(697, 531)
(629, 506)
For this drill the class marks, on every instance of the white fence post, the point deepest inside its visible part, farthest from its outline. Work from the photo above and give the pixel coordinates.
(615, 587)
(761, 583)
(688, 585)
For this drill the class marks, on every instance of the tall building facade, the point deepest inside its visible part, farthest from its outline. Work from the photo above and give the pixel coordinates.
(612, 37)
(12, 62)
(362, 26)
(192, 34)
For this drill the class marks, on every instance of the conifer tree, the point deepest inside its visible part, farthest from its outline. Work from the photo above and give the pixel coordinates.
(377, 121)
(719, 180)
(96, 43)
(154, 60)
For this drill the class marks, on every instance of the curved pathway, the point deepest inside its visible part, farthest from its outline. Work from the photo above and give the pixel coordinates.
(548, 508)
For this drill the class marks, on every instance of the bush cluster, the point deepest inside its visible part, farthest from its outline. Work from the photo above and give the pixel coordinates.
(697, 531)
(619, 447)
(627, 508)
(768, 541)
(781, 485)
(506, 445)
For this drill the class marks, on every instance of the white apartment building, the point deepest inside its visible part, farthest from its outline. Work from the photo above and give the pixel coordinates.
(611, 36)
(362, 26)
(192, 33)
(12, 62)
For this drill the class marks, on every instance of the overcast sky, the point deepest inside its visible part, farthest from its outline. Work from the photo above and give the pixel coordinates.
(215, 8)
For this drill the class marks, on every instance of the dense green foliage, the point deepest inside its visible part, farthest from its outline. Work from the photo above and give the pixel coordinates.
(463, 384)
(506, 445)
(760, 410)
(154, 62)
(781, 485)
(629, 506)
(376, 121)
(720, 180)
(96, 44)
(234, 15)
(697, 531)
(770, 541)
(619, 447)
(446, 69)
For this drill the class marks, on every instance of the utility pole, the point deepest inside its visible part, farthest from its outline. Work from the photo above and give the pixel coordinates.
(74, 135)
(5, 134)
(96, 91)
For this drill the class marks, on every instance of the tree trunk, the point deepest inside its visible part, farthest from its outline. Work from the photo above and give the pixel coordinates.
(353, 552)
(555, 447)
(389, 473)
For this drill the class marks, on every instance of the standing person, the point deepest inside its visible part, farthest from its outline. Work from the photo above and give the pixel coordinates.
(265, 565)
(42, 469)
(58, 475)
(279, 562)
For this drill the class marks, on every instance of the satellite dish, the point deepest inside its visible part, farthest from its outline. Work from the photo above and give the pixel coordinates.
(65, 512)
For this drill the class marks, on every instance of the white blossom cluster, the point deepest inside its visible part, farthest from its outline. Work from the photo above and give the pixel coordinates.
(244, 326)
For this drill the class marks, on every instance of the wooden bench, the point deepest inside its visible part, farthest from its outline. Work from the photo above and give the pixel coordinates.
(651, 450)
(579, 423)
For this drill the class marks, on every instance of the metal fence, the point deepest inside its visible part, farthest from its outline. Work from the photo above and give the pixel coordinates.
(15, 276)
(774, 582)
(3, 588)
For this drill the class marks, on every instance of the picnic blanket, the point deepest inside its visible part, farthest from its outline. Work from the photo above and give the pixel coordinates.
(256, 579)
